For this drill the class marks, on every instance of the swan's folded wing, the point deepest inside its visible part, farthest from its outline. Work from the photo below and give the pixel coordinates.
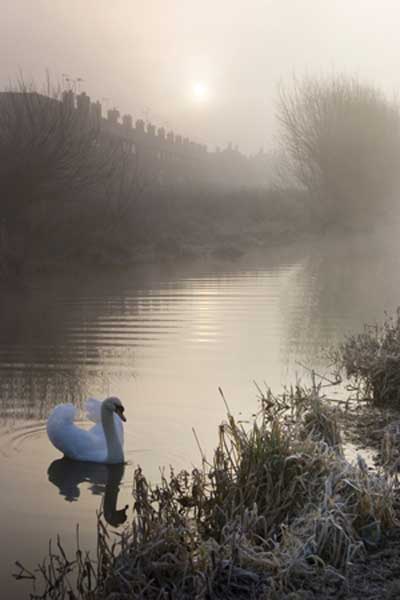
(93, 410)
(72, 441)
(62, 413)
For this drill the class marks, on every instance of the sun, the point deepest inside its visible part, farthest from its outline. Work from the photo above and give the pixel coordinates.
(200, 91)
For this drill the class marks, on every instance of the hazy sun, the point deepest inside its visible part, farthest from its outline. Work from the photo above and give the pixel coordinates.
(200, 91)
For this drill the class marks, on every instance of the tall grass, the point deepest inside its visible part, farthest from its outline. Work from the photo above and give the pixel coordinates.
(277, 504)
(371, 361)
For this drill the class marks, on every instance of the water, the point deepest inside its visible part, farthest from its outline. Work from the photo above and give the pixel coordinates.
(162, 339)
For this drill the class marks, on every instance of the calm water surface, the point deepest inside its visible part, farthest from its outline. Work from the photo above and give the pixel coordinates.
(163, 339)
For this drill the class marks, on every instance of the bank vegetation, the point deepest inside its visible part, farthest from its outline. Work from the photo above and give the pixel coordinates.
(278, 513)
(370, 362)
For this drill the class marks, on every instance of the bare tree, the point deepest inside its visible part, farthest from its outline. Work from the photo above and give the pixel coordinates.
(48, 150)
(126, 183)
(340, 140)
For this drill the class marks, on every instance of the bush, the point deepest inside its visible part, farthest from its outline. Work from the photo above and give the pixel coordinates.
(371, 361)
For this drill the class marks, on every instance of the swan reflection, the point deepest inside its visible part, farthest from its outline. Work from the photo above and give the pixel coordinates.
(105, 480)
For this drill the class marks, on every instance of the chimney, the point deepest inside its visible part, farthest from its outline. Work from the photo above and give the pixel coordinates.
(139, 126)
(127, 121)
(113, 116)
(83, 103)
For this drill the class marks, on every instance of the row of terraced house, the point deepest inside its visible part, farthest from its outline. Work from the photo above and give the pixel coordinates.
(172, 157)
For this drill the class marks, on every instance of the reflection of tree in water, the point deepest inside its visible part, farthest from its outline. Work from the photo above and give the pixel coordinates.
(336, 288)
(104, 480)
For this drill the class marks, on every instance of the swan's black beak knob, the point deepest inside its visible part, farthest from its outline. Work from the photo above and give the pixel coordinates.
(120, 412)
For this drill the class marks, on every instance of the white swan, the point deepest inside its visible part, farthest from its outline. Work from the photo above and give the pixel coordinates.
(103, 443)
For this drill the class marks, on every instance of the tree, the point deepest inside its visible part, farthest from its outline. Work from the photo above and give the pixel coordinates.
(49, 151)
(341, 142)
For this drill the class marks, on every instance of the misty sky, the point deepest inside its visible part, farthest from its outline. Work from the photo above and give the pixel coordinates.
(146, 56)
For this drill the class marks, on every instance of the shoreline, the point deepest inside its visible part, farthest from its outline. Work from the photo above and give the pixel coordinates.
(278, 514)
(221, 251)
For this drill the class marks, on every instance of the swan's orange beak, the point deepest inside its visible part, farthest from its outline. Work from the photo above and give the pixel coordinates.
(120, 412)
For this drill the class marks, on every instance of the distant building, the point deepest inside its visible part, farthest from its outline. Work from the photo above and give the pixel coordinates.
(165, 155)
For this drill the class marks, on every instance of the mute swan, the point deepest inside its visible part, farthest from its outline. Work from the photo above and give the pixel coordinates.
(103, 443)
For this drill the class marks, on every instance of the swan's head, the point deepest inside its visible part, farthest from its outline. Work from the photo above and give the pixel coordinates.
(114, 404)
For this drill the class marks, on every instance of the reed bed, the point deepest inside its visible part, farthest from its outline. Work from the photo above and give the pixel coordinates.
(277, 506)
(371, 361)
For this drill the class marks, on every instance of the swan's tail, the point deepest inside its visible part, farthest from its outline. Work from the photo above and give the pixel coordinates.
(60, 416)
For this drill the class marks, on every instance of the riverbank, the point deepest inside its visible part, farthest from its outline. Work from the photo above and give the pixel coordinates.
(83, 245)
(162, 225)
(277, 514)
(221, 247)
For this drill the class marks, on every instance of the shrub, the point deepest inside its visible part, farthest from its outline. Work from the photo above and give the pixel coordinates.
(371, 360)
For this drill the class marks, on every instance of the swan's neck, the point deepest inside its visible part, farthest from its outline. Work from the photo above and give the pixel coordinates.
(115, 453)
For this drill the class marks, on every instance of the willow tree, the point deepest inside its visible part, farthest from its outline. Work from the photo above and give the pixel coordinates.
(340, 140)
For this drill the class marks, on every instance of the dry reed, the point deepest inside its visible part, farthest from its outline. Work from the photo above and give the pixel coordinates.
(277, 504)
(371, 361)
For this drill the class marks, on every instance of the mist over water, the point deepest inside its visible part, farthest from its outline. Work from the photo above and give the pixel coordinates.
(164, 339)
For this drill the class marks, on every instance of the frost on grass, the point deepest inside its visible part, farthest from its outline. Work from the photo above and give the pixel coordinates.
(370, 361)
(276, 505)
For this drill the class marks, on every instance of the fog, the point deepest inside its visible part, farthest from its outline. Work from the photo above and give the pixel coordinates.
(145, 57)
(196, 196)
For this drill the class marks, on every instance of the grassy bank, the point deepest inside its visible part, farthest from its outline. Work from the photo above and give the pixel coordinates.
(277, 513)
(370, 361)
(161, 224)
